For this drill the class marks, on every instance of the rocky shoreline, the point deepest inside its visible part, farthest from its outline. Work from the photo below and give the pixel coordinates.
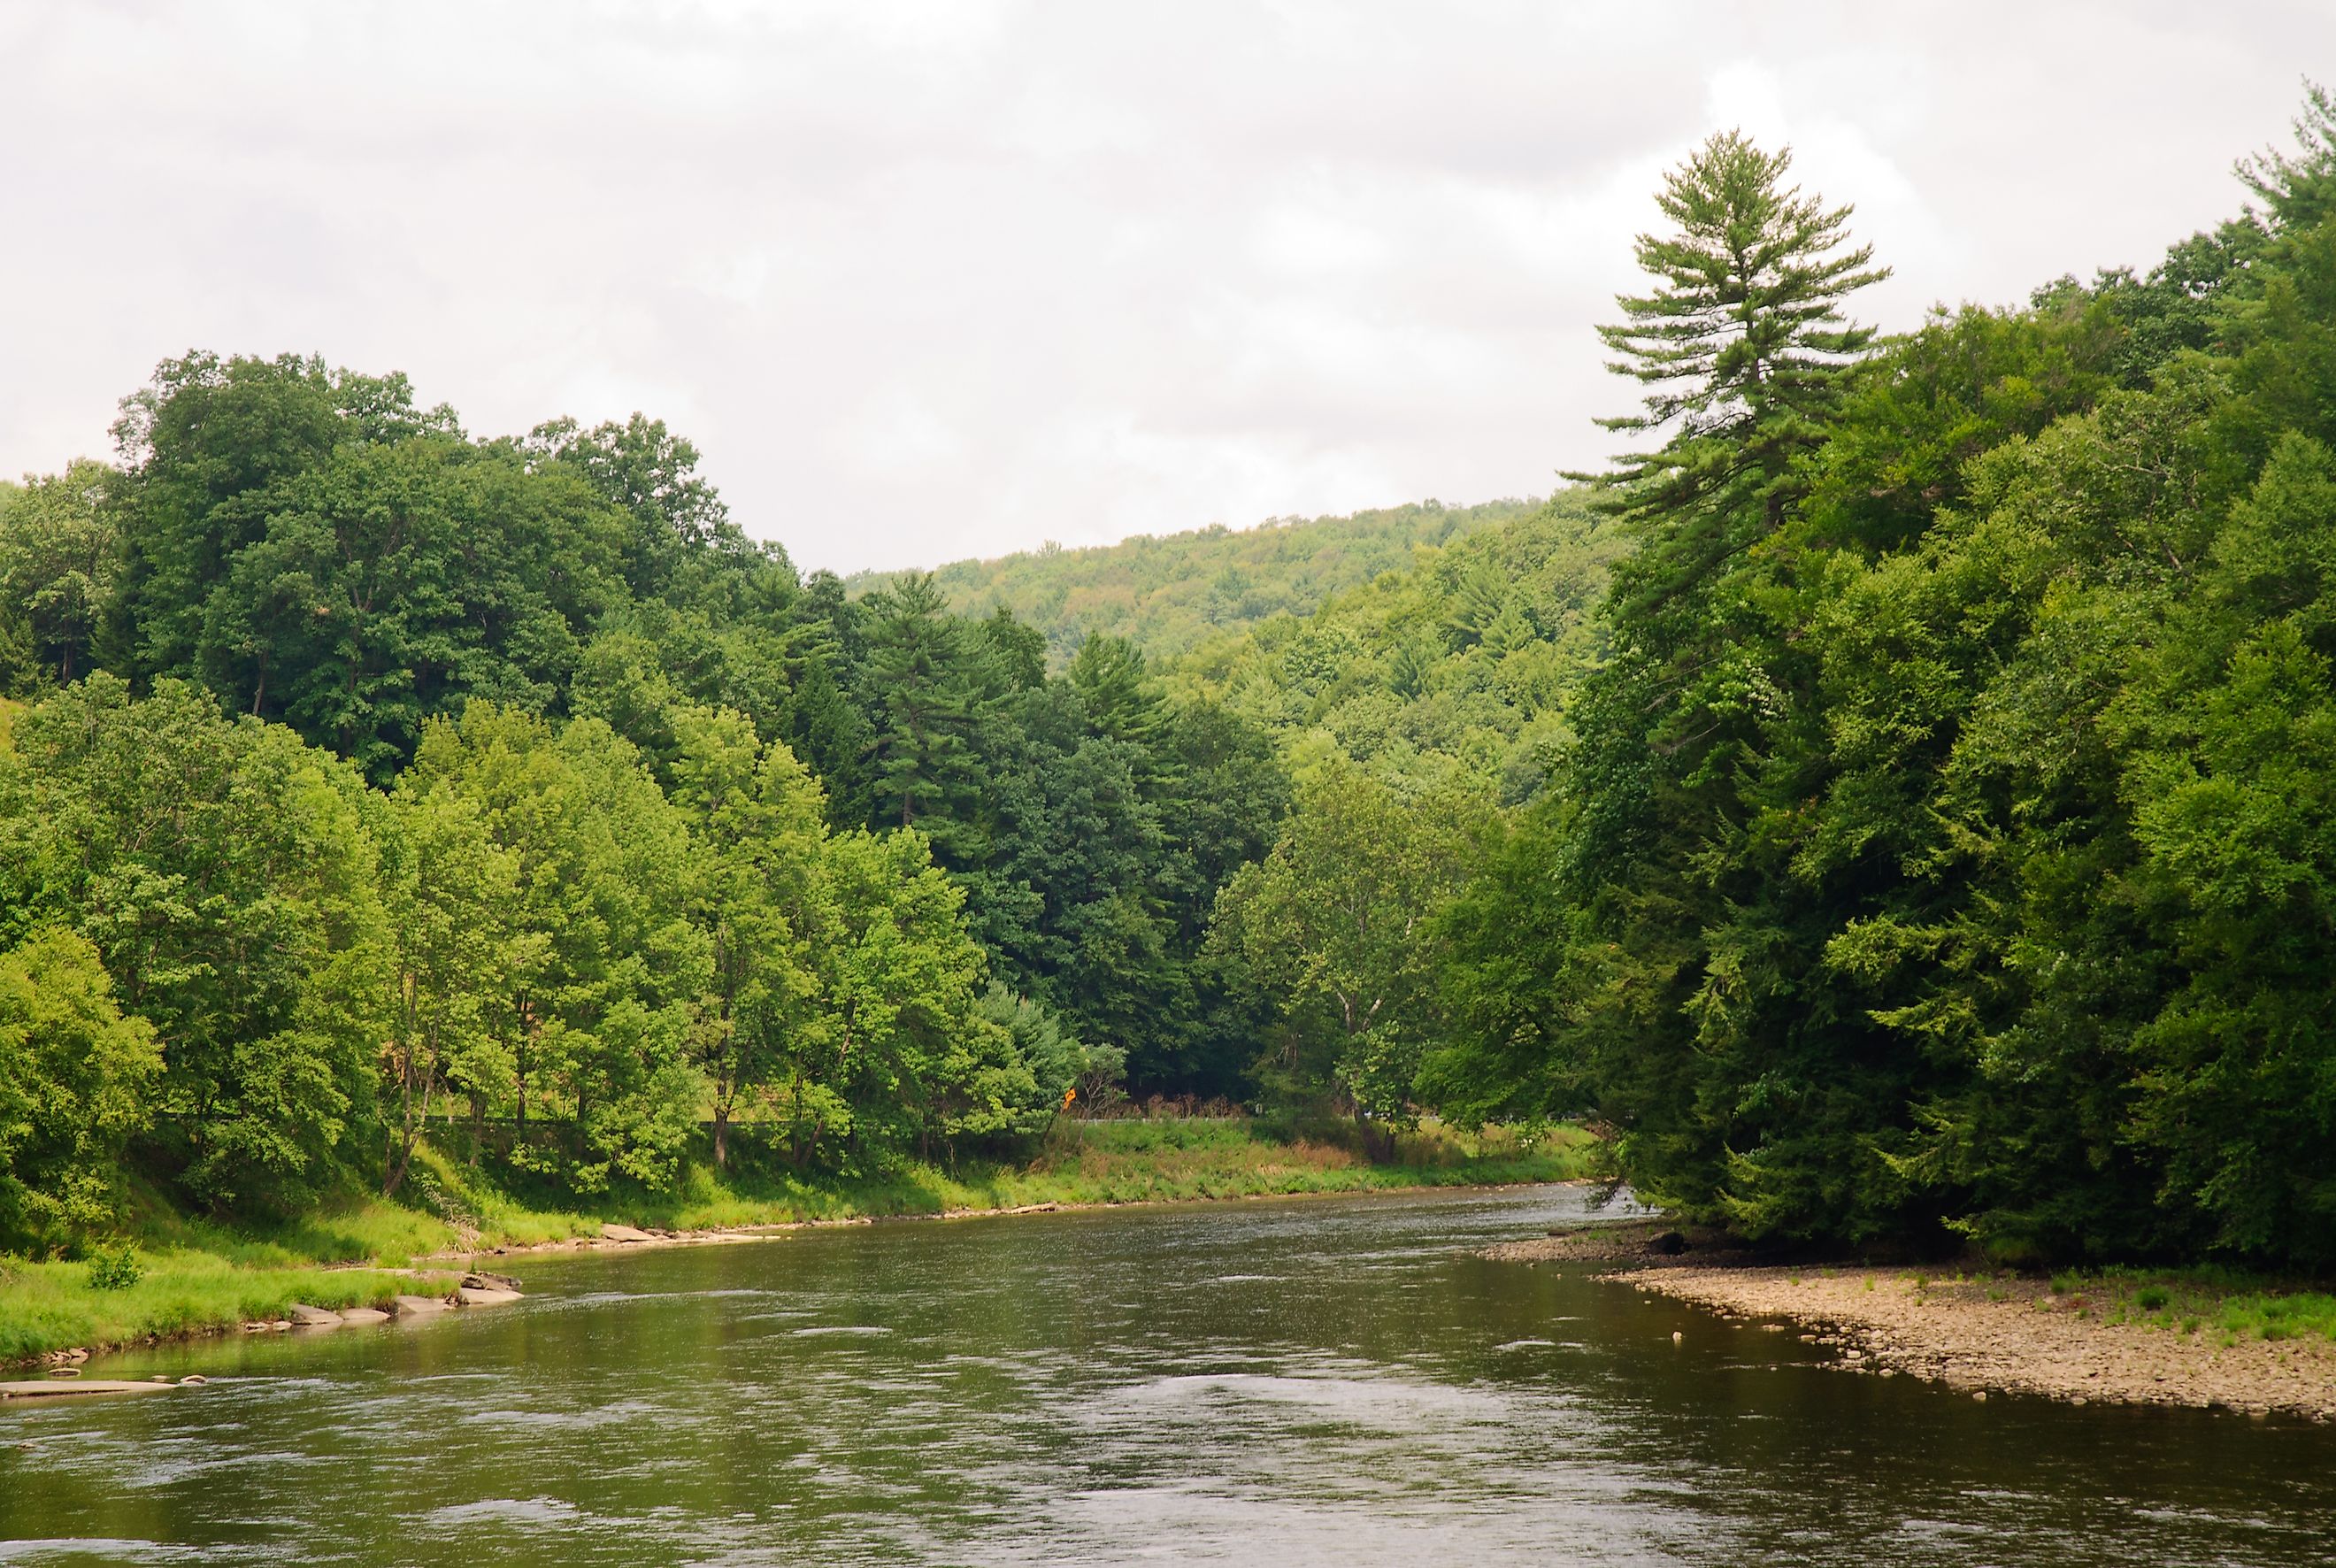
(475, 1288)
(1975, 1334)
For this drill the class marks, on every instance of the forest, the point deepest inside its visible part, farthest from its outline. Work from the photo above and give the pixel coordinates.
(1167, 594)
(1893, 806)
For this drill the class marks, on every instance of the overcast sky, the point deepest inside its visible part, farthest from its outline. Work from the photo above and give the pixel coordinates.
(926, 281)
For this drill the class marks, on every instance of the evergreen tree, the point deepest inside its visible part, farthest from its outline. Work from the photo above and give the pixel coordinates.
(1689, 1014)
(918, 684)
(1743, 342)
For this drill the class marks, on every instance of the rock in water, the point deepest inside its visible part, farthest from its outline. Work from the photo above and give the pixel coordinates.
(420, 1305)
(479, 1280)
(613, 1231)
(312, 1317)
(364, 1315)
(473, 1296)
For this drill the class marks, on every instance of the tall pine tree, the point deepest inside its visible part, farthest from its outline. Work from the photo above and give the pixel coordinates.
(1690, 1019)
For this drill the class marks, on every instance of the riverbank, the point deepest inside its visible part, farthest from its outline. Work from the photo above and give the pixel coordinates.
(2167, 1338)
(197, 1276)
(47, 1307)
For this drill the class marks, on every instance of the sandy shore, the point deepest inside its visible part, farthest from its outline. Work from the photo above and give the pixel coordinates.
(2008, 1334)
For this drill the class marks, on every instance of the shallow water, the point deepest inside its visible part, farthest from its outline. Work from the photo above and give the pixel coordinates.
(1328, 1381)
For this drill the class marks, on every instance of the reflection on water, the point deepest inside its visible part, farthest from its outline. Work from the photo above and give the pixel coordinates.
(1332, 1381)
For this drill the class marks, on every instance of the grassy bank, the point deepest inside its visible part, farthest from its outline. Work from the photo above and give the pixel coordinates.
(1087, 1163)
(199, 1276)
(2220, 1305)
(48, 1306)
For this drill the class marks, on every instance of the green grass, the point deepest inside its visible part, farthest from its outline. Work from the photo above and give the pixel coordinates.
(1081, 1162)
(2235, 1304)
(51, 1306)
(201, 1275)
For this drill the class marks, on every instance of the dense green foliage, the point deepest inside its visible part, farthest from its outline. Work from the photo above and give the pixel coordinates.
(374, 775)
(1337, 922)
(1169, 593)
(1464, 663)
(1946, 847)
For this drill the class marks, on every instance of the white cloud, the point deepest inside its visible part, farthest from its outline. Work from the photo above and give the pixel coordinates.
(932, 278)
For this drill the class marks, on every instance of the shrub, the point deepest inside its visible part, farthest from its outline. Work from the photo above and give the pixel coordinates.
(115, 1268)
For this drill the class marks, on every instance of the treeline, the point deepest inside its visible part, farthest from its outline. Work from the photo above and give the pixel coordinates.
(1168, 593)
(236, 963)
(374, 773)
(1947, 847)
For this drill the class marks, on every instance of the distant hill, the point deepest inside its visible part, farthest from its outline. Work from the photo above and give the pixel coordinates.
(1470, 656)
(1169, 594)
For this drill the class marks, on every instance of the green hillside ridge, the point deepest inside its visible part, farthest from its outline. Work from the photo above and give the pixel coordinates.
(1169, 593)
(1467, 659)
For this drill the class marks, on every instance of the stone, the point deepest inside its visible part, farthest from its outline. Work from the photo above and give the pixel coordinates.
(364, 1315)
(473, 1296)
(479, 1280)
(64, 1371)
(193, 1380)
(1678, 1338)
(312, 1317)
(420, 1305)
(613, 1232)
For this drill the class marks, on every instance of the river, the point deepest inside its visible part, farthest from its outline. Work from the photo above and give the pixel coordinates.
(1325, 1381)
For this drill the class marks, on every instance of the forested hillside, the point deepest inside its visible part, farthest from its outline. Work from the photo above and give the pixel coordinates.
(1463, 663)
(1167, 593)
(1892, 805)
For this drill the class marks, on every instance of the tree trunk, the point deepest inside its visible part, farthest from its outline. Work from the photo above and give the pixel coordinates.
(721, 1137)
(795, 1133)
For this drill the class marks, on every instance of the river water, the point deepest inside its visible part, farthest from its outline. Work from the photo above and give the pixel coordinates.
(1325, 1381)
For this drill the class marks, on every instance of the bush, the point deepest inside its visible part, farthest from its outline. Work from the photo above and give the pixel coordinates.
(2151, 1298)
(115, 1268)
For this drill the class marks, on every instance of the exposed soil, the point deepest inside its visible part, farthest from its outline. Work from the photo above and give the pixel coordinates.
(2009, 1334)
